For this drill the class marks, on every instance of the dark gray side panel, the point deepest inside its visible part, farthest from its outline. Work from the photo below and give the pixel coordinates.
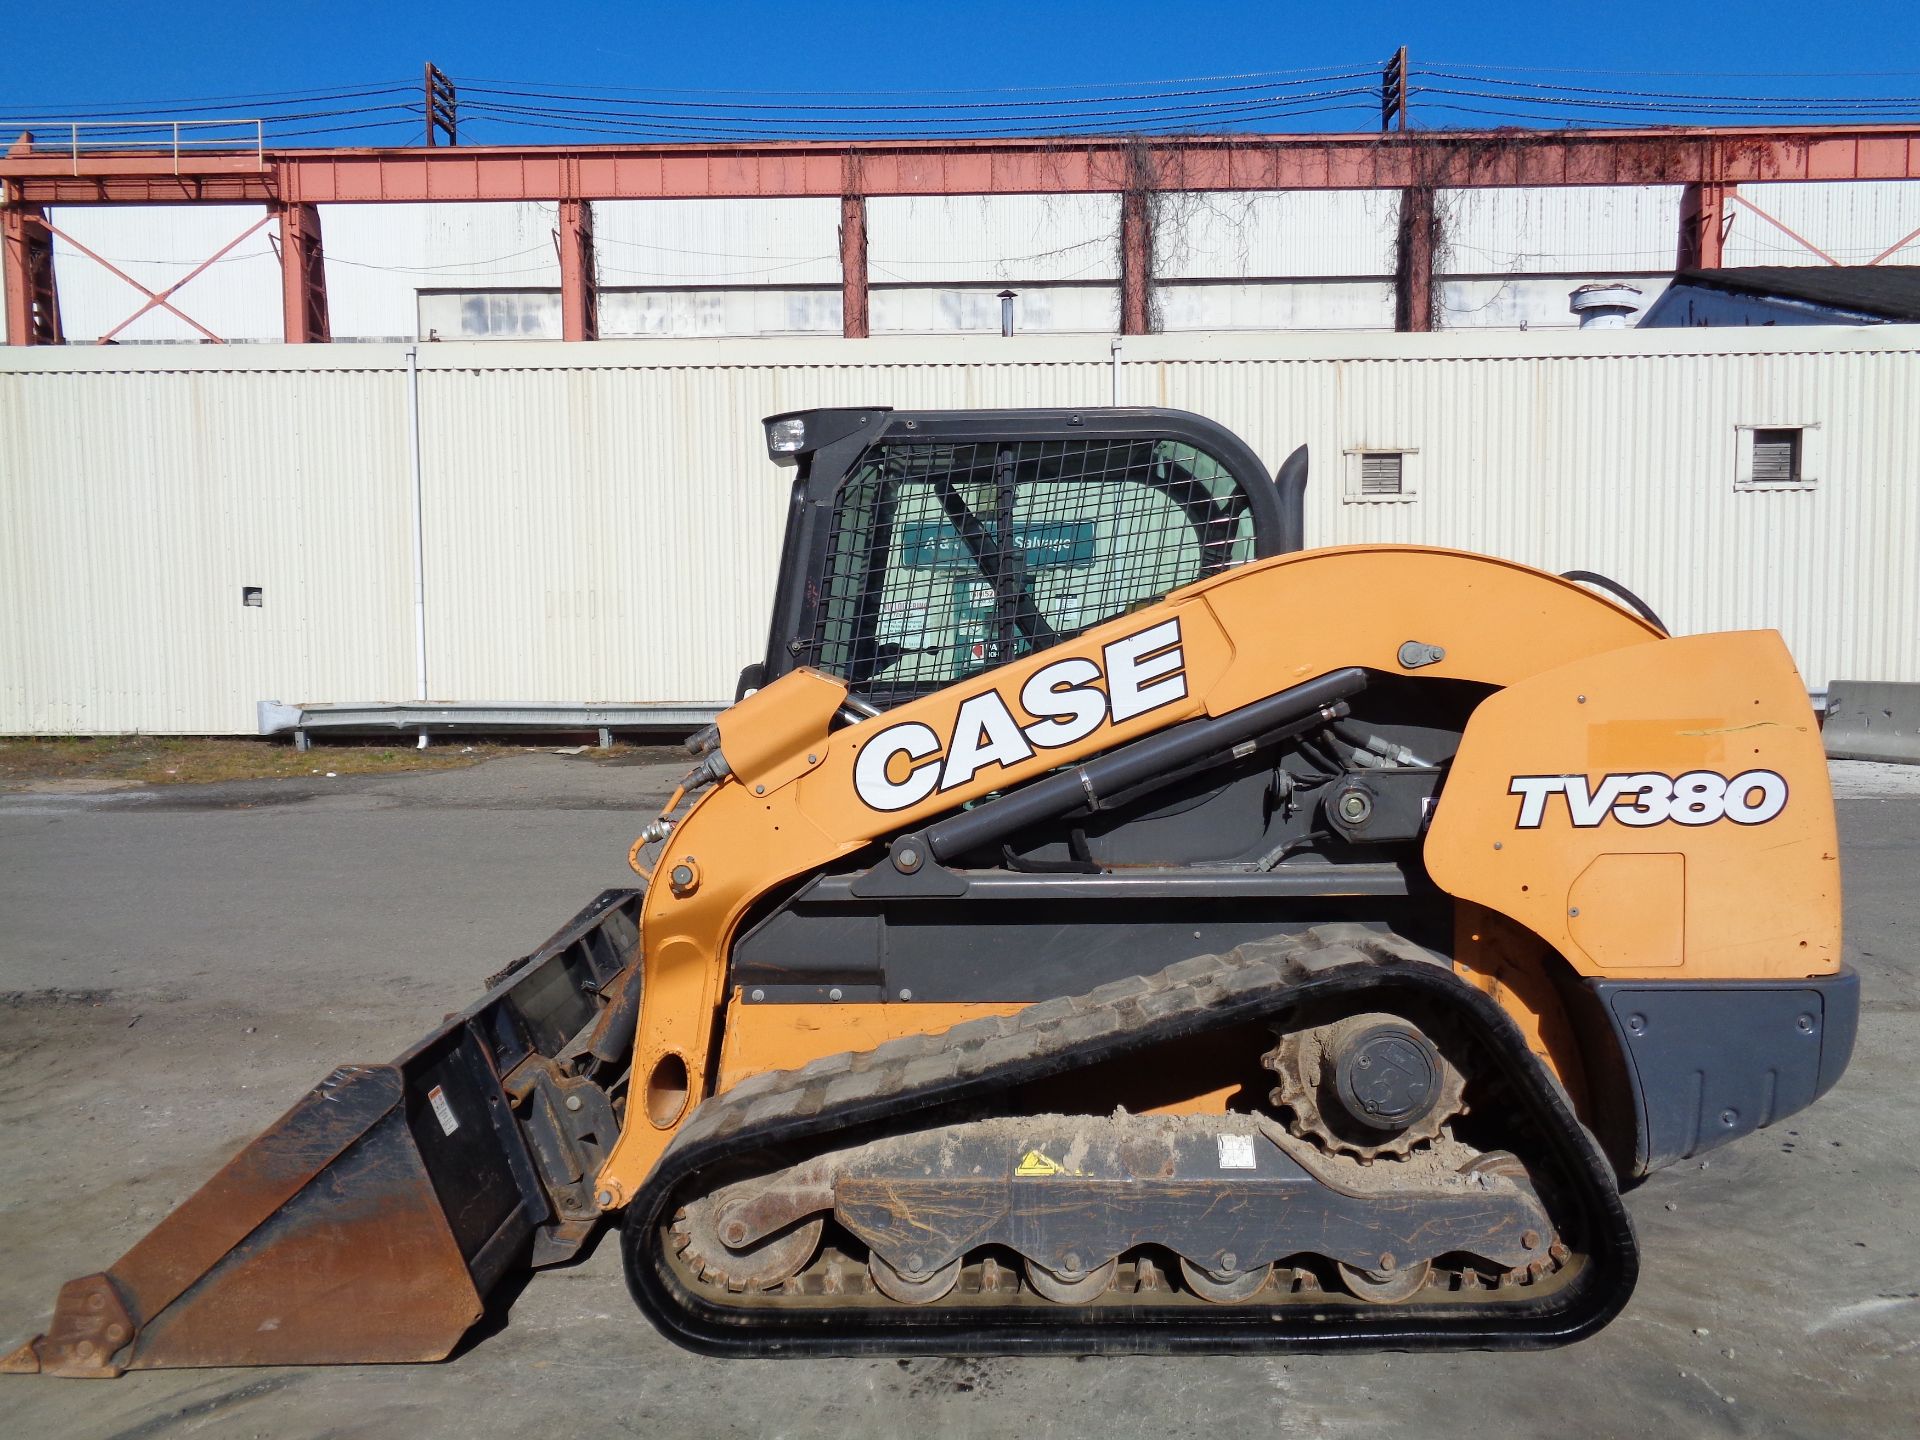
(988, 948)
(1710, 1062)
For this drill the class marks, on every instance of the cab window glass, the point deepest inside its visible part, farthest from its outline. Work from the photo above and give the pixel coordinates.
(948, 559)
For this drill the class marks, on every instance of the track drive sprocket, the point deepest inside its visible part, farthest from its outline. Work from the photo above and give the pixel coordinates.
(1366, 1085)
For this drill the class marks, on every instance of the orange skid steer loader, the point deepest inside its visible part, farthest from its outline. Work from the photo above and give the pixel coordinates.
(1101, 924)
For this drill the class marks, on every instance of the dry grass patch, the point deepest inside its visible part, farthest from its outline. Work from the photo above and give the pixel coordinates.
(101, 762)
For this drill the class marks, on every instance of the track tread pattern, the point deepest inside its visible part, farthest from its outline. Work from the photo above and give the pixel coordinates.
(914, 1072)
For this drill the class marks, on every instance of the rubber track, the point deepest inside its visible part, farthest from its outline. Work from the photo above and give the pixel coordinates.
(843, 1095)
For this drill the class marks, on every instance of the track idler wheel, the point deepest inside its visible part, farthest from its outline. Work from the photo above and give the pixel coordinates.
(907, 1289)
(1228, 1289)
(1385, 1286)
(1072, 1289)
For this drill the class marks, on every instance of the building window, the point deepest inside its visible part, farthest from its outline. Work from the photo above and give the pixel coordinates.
(1775, 457)
(1383, 475)
(489, 314)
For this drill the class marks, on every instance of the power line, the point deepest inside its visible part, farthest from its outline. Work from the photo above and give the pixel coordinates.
(965, 90)
(1069, 121)
(1224, 103)
(1128, 97)
(1687, 74)
(204, 103)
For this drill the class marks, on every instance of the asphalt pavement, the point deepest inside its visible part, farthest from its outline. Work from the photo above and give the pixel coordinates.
(177, 966)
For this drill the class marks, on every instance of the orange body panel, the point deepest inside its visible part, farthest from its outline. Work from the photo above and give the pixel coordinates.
(785, 1037)
(1241, 636)
(1699, 897)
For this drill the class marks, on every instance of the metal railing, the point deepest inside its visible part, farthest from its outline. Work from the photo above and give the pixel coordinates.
(170, 137)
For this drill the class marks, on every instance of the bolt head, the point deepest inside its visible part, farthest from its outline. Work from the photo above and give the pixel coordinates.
(573, 1102)
(1387, 1263)
(604, 1199)
(1229, 1261)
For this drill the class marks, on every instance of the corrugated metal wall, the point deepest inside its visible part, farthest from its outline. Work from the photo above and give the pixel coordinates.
(602, 522)
(1855, 222)
(237, 297)
(379, 257)
(992, 239)
(1267, 235)
(136, 504)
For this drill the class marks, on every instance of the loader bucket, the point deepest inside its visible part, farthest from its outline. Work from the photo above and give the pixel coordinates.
(372, 1220)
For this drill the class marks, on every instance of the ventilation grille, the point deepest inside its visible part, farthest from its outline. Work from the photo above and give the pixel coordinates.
(1776, 457)
(1380, 474)
(948, 559)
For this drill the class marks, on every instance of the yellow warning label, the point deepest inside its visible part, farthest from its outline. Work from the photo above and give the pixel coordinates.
(1036, 1163)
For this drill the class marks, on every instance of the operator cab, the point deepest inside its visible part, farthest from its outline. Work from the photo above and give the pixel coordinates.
(926, 546)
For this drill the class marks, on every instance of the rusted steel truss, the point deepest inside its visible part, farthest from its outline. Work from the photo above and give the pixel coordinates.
(1709, 161)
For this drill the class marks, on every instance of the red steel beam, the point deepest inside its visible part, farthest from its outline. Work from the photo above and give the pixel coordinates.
(1703, 225)
(1136, 262)
(978, 167)
(579, 277)
(33, 302)
(303, 276)
(853, 267)
(1413, 293)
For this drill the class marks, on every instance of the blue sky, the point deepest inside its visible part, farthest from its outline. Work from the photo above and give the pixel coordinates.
(78, 55)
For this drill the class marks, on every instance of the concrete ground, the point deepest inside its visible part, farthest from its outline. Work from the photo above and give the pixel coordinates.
(177, 967)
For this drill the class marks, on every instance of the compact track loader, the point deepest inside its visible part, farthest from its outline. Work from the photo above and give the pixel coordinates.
(1099, 925)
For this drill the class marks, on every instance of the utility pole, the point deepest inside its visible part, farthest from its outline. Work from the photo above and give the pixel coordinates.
(1393, 92)
(441, 107)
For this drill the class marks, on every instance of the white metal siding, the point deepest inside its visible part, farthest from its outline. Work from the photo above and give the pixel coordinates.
(717, 242)
(1602, 452)
(136, 505)
(237, 297)
(1276, 305)
(1264, 235)
(602, 522)
(1527, 302)
(1853, 221)
(1562, 229)
(1037, 309)
(378, 257)
(950, 239)
(701, 313)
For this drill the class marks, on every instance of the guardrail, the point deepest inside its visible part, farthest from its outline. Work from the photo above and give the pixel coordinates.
(174, 137)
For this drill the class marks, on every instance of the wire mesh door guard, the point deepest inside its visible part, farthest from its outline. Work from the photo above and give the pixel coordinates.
(946, 559)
